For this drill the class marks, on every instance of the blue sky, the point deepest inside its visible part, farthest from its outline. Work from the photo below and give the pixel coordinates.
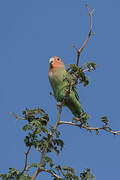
(30, 33)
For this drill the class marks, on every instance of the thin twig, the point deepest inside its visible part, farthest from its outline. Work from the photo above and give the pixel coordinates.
(86, 70)
(26, 167)
(16, 116)
(89, 34)
(26, 157)
(58, 118)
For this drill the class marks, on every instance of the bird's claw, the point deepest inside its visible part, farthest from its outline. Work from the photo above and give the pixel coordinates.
(59, 104)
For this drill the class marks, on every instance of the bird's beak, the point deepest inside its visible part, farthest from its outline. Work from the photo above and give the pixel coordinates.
(51, 62)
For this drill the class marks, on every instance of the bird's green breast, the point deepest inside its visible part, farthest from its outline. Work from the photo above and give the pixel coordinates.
(58, 84)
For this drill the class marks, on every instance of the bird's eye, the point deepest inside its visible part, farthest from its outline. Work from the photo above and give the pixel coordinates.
(58, 59)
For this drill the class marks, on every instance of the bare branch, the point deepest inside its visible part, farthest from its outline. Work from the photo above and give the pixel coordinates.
(36, 174)
(26, 167)
(26, 157)
(76, 48)
(91, 128)
(89, 34)
(58, 118)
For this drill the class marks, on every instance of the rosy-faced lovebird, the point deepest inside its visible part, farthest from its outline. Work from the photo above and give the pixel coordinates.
(57, 75)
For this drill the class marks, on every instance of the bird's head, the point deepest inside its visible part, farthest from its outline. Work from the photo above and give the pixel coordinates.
(55, 62)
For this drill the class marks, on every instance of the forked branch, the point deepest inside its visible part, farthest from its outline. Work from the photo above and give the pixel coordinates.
(89, 34)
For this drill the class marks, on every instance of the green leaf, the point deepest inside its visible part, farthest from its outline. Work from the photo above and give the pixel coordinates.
(87, 175)
(73, 67)
(104, 119)
(90, 65)
(67, 172)
(24, 177)
(12, 174)
(82, 118)
(97, 131)
(36, 114)
(4, 176)
(59, 169)
(27, 127)
(35, 165)
(49, 161)
(56, 150)
(41, 144)
(55, 131)
(66, 168)
(59, 142)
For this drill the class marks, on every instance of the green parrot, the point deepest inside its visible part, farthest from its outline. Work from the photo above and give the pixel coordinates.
(57, 74)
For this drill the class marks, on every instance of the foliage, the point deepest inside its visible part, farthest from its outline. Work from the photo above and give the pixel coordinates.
(42, 137)
(87, 175)
(14, 174)
(66, 172)
(78, 73)
(82, 119)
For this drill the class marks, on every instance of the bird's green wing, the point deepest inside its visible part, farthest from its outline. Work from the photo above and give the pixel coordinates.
(74, 89)
(76, 93)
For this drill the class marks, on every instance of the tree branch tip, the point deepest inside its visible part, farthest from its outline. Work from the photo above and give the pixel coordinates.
(16, 116)
(93, 33)
(75, 47)
(92, 11)
(13, 114)
(88, 8)
(86, 5)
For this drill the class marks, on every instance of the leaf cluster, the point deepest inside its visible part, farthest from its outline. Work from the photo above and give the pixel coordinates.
(14, 174)
(78, 73)
(44, 138)
(87, 174)
(106, 125)
(36, 114)
(39, 134)
(67, 173)
(82, 119)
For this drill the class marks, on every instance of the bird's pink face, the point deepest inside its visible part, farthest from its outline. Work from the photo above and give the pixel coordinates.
(55, 62)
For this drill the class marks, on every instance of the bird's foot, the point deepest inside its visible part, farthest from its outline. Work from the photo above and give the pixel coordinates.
(66, 98)
(59, 104)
